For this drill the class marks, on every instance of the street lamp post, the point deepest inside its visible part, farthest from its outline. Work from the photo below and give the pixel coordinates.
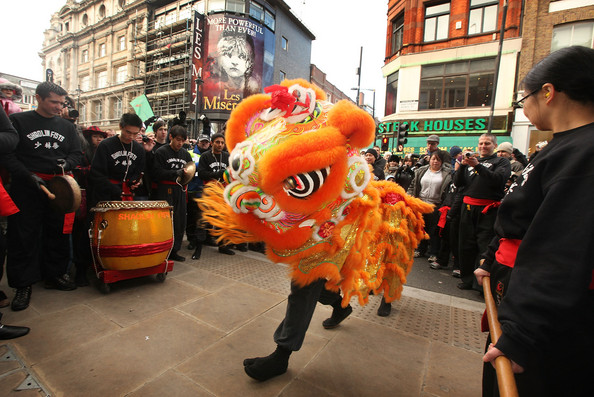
(358, 89)
(78, 91)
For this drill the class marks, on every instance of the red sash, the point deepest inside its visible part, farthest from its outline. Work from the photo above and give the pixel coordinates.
(507, 252)
(488, 203)
(126, 192)
(7, 206)
(443, 215)
(45, 177)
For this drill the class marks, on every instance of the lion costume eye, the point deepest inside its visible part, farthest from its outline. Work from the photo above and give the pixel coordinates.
(242, 162)
(301, 186)
(236, 162)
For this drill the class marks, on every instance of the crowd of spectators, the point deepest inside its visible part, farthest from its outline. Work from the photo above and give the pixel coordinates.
(465, 187)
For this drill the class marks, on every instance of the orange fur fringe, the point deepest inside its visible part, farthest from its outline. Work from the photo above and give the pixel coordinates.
(379, 260)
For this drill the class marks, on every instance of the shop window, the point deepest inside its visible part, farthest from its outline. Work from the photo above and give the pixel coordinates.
(580, 33)
(98, 110)
(483, 16)
(102, 79)
(269, 21)
(437, 22)
(216, 5)
(122, 43)
(82, 110)
(257, 11)
(457, 84)
(121, 74)
(236, 6)
(117, 108)
(391, 93)
(85, 83)
(101, 51)
(397, 33)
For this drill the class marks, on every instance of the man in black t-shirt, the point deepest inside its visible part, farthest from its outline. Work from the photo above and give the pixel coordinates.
(38, 237)
(118, 164)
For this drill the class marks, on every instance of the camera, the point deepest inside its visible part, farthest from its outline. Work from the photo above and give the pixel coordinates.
(73, 113)
(469, 154)
(145, 138)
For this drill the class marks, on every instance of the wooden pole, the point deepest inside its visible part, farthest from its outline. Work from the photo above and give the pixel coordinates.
(50, 195)
(505, 375)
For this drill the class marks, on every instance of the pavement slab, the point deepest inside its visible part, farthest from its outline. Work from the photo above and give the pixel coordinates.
(188, 336)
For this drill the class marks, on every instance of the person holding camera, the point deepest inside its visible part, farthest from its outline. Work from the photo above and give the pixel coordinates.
(38, 237)
(483, 180)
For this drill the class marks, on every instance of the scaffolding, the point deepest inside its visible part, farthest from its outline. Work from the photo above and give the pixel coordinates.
(168, 40)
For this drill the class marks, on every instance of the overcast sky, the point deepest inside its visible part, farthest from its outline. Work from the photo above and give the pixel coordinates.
(341, 27)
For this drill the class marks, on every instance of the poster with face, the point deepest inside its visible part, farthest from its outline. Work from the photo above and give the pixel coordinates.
(234, 62)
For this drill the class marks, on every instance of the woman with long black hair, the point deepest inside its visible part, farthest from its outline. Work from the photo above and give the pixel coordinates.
(540, 262)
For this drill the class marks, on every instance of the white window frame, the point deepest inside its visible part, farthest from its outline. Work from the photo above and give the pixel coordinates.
(571, 28)
(439, 16)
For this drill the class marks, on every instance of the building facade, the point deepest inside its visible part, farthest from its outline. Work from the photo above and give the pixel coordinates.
(548, 26)
(441, 70)
(107, 52)
(92, 47)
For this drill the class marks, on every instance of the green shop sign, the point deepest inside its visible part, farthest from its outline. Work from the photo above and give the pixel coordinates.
(418, 145)
(472, 125)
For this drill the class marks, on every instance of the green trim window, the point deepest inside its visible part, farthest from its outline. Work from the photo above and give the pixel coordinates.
(437, 22)
(457, 84)
(482, 16)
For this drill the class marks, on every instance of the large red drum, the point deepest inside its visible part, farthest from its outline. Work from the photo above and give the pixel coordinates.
(129, 235)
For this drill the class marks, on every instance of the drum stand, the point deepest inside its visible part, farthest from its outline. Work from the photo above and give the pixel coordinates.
(106, 276)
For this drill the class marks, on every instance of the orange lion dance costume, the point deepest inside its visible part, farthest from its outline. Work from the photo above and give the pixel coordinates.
(298, 183)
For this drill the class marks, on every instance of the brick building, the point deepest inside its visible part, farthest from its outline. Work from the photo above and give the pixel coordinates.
(548, 26)
(441, 69)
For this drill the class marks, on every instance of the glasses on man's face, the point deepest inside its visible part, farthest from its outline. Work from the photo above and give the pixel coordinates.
(520, 103)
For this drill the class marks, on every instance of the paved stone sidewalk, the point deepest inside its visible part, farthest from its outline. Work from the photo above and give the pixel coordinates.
(189, 335)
